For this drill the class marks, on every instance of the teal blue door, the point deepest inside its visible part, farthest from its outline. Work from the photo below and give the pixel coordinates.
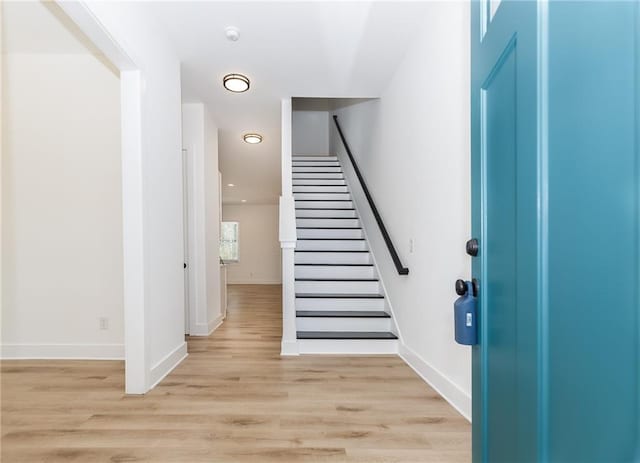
(555, 135)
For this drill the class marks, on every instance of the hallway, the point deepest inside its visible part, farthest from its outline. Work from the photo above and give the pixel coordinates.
(234, 399)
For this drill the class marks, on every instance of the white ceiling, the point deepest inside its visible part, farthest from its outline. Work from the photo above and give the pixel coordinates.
(299, 49)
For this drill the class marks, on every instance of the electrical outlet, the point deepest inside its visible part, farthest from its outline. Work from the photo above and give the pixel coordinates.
(104, 323)
(411, 245)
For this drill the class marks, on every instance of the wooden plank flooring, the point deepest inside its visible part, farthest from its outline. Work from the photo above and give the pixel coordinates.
(234, 399)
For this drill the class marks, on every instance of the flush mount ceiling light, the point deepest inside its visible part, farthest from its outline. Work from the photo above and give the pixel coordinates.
(252, 138)
(236, 83)
(243, 200)
(231, 184)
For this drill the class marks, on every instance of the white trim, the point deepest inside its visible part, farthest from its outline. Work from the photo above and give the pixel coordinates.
(189, 298)
(97, 33)
(255, 282)
(62, 351)
(450, 391)
(287, 234)
(289, 348)
(286, 123)
(215, 323)
(167, 364)
(202, 329)
(133, 232)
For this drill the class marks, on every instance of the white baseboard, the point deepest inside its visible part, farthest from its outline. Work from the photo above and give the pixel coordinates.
(458, 398)
(62, 351)
(205, 329)
(289, 348)
(215, 323)
(167, 364)
(254, 282)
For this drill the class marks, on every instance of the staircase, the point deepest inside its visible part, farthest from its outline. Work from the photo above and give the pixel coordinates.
(339, 301)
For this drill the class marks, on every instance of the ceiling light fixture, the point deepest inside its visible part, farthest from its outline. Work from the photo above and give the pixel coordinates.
(231, 184)
(252, 138)
(243, 200)
(236, 83)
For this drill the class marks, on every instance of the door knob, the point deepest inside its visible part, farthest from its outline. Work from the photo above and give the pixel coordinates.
(472, 247)
(462, 288)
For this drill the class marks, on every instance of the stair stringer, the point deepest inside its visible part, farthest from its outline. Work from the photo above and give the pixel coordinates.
(352, 181)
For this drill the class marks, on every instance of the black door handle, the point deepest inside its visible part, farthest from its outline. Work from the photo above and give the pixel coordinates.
(462, 289)
(472, 247)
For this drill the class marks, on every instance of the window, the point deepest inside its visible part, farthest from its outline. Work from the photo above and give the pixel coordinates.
(488, 9)
(229, 241)
(493, 7)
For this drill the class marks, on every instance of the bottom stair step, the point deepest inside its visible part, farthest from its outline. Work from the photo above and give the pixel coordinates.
(345, 335)
(348, 346)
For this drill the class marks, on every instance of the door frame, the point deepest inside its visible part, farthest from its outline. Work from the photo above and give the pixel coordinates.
(186, 214)
(131, 94)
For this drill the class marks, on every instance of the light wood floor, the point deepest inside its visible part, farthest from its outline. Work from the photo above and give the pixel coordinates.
(234, 399)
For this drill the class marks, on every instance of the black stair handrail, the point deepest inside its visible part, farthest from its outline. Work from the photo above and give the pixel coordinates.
(402, 270)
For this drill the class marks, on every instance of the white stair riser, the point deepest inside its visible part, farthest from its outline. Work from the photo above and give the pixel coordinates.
(298, 170)
(314, 271)
(300, 213)
(311, 157)
(339, 287)
(325, 204)
(328, 223)
(329, 233)
(312, 175)
(328, 245)
(320, 189)
(332, 258)
(322, 196)
(348, 346)
(342, 324)
(309, 163)
(318, 181)
(319, 303)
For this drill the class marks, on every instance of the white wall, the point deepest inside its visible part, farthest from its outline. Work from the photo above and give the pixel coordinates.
(310, 132)
(61, 206)
(259, 247)
(412, 146)
(200, 139)
(152, 183)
